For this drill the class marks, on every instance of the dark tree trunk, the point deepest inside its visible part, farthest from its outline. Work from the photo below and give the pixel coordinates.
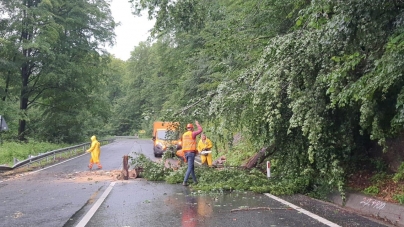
(23, 100)
(6, 88)
(259, 157)
(26, 36)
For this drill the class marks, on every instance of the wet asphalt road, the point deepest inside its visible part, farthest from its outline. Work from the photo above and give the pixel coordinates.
(52, 197)
(142, 203)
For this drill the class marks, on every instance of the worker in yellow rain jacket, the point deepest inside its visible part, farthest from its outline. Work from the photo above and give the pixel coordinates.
(95, 153)
(205, 144)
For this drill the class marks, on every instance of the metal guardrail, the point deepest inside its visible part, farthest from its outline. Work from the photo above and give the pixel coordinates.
(47, 155)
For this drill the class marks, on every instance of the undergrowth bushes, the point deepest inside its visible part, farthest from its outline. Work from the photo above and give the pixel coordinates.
(400, 173)
(21, 151)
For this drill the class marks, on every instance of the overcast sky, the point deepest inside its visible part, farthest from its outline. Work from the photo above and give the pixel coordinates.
(131, 31)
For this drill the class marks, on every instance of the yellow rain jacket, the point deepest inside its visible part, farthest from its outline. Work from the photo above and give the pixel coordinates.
(204, 145)
(207, 145)
(94, 150)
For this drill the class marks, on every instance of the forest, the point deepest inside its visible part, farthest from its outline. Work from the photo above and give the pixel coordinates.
(318, 84)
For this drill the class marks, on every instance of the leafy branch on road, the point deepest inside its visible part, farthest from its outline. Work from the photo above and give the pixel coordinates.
(154, 171)
(219, 179)
(260, 208)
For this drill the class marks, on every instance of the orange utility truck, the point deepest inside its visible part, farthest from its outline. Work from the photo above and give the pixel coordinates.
(165, 134)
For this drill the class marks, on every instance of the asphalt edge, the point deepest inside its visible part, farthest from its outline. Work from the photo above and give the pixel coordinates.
(366, 205)
(369, 206)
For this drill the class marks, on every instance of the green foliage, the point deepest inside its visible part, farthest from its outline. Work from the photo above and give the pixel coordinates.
(154, 171)
(379, 178)
(238, 153)
(21, 151)
(227, 179)
(220, 180)
(57, 57)
(371, 190)
(400, 174)
(379, 164)
(313, 81)
(177, 177)
(169, 153)
(399, 198)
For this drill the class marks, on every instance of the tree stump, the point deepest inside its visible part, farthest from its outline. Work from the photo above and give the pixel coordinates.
(125, 172)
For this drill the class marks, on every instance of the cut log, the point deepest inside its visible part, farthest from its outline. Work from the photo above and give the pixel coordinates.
(257, 158)
(133, 174)
(220, 161)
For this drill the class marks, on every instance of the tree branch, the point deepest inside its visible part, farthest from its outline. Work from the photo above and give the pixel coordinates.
(261, 208)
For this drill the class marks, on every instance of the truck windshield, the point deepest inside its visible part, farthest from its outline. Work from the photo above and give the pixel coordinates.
(167, 135)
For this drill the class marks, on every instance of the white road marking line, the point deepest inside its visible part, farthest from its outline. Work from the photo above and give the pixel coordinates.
(28, 173)
(56, 164)
(308, 213)
(95, 207)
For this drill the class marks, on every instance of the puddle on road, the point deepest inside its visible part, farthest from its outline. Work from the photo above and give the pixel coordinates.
(204, 204)
(188, 208)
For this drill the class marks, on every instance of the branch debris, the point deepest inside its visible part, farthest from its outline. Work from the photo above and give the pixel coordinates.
(261, 208)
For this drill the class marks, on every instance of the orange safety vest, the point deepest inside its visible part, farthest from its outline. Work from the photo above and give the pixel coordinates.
(188, 143)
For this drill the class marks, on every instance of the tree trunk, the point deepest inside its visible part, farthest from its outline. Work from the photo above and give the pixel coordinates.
(25, 73)
(258, 158)
(26, 36)
(23, 101)
(6, 87)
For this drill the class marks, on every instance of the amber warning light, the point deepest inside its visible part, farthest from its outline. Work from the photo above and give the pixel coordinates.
(268, 169)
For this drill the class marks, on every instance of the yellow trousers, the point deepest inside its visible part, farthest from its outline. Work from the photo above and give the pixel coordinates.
(206, 159)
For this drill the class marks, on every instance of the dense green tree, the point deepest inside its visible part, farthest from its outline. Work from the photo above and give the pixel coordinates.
(316, 82)
(54, 48)
(137, 99)
(217, 41)
(320, 94)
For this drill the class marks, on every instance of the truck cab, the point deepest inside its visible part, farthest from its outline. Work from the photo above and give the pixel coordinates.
(165, 135)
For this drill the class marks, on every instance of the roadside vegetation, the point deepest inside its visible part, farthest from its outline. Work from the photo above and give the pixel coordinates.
(379, 183)
(317, 84)
(21, 151)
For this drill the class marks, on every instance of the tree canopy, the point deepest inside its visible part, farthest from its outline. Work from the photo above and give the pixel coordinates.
(316, 83)
(52, 63)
